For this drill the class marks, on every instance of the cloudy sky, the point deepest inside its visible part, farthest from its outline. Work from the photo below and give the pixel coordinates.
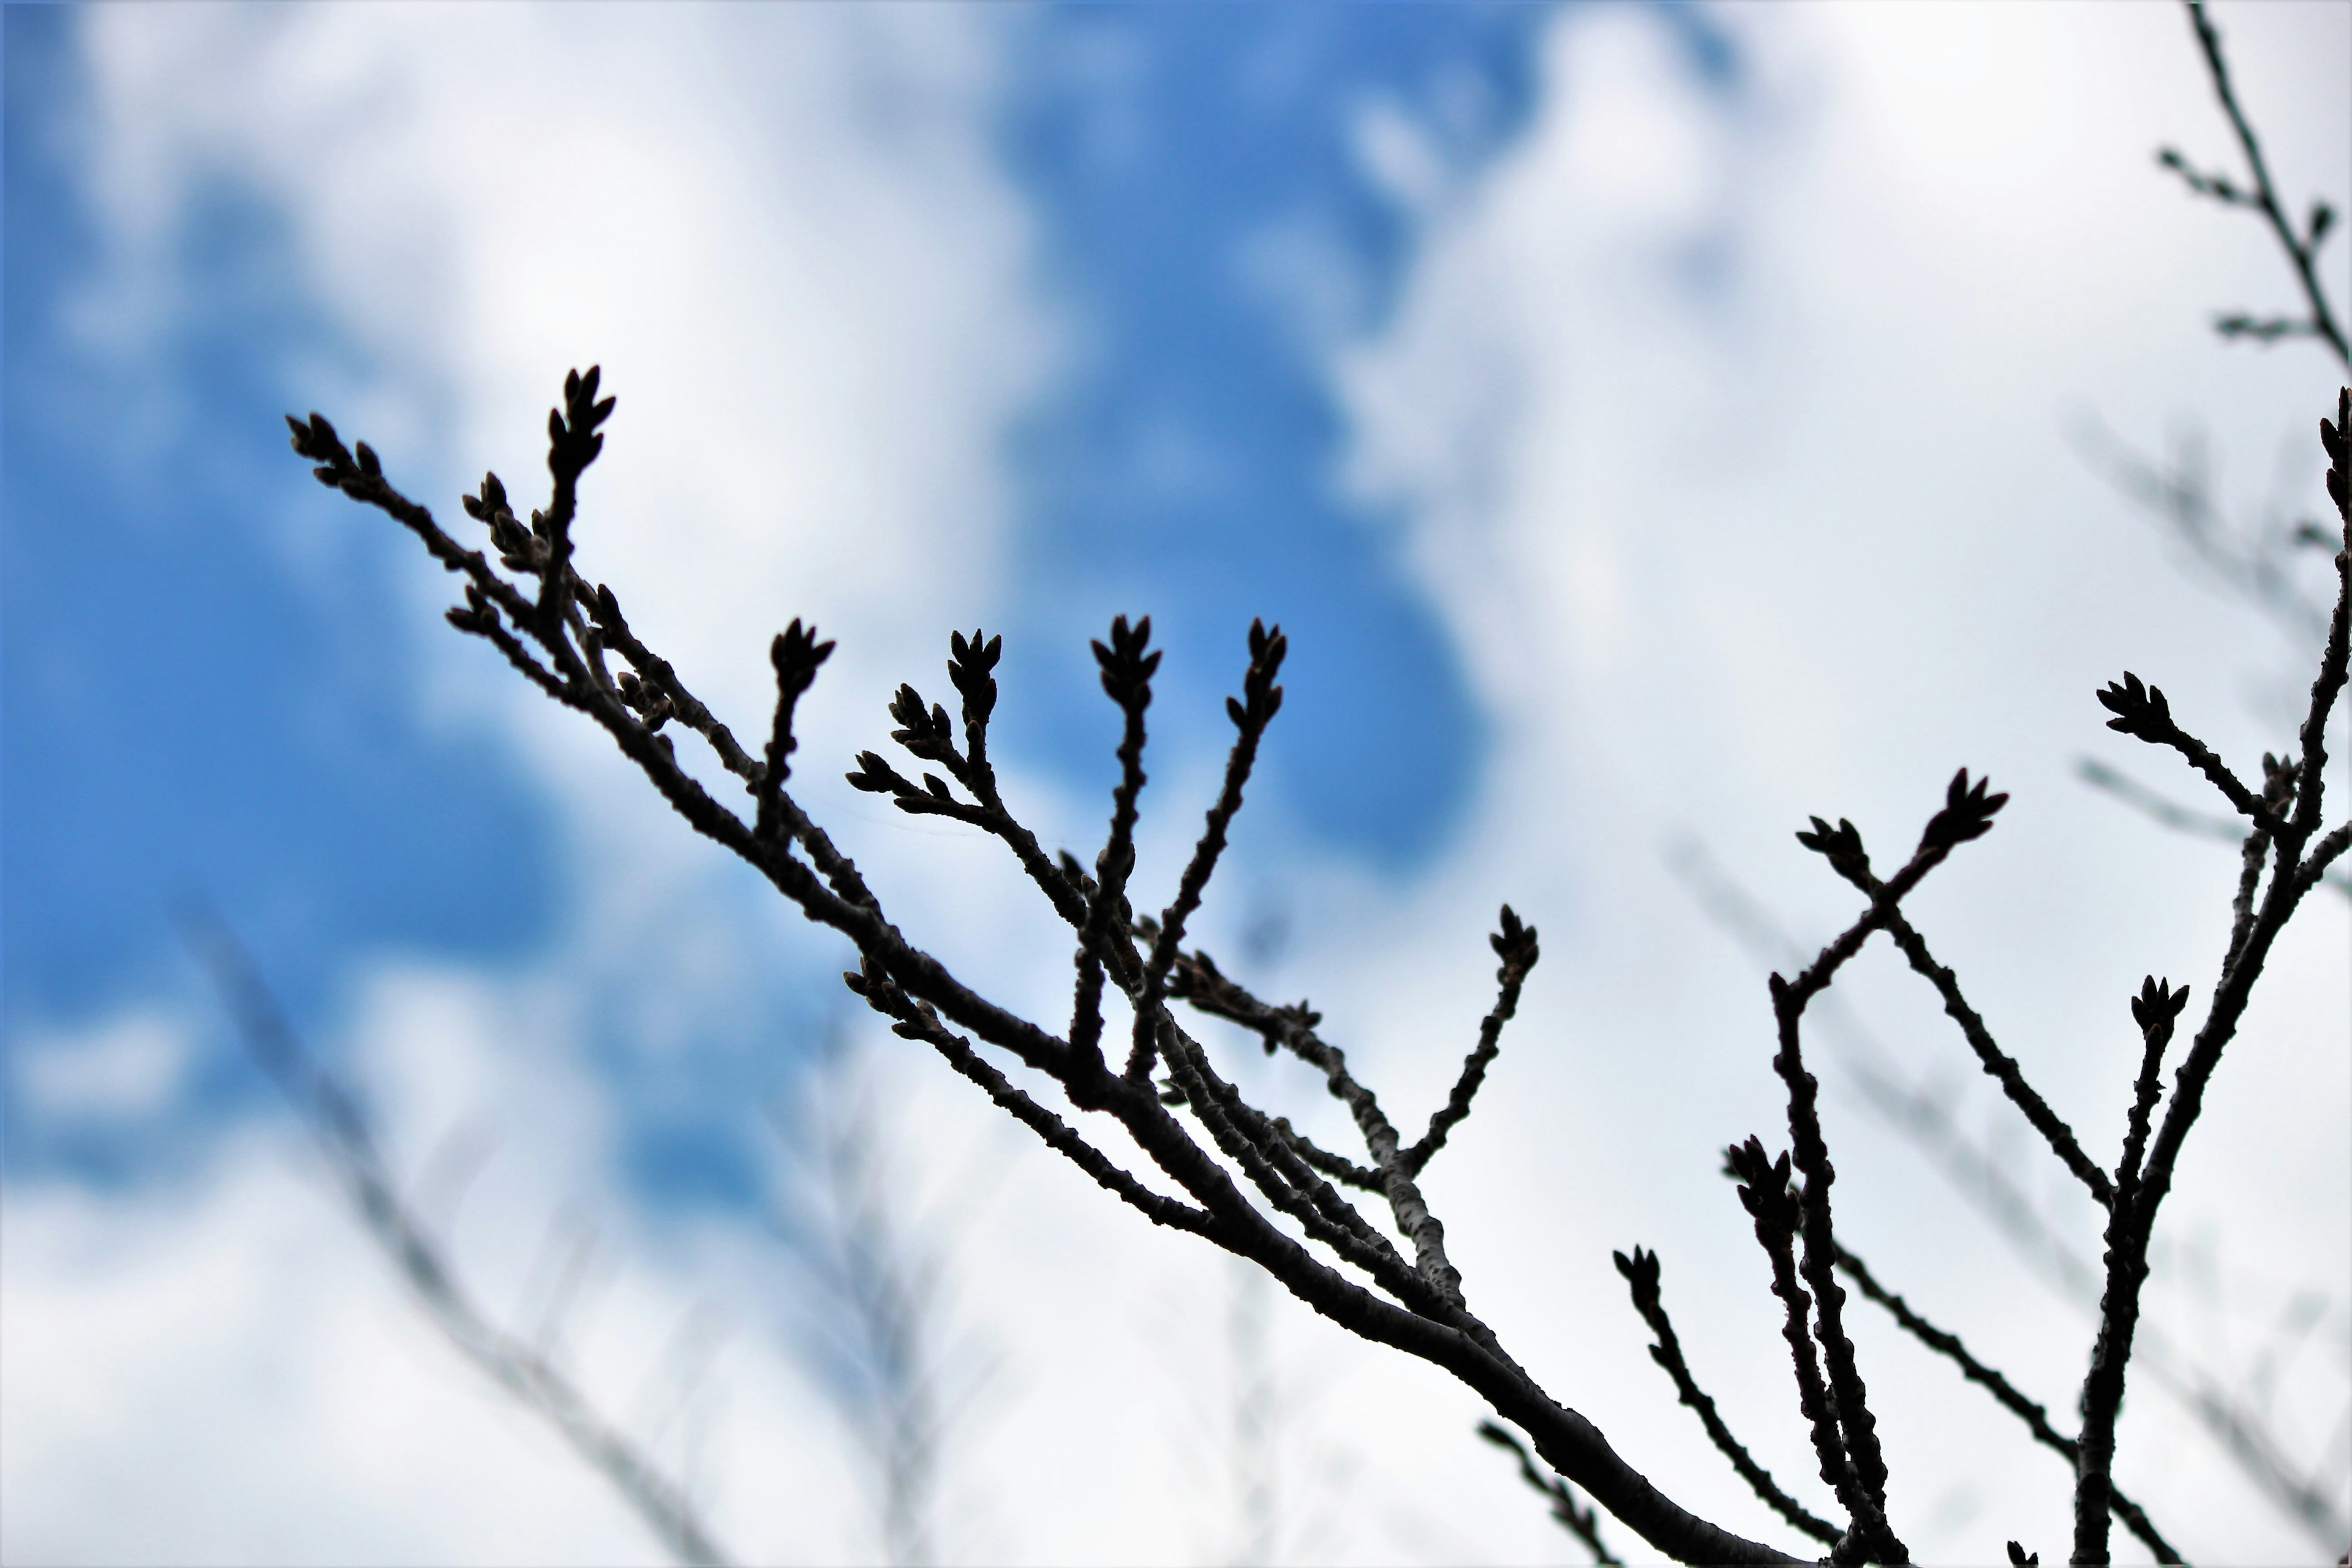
(1653, 424)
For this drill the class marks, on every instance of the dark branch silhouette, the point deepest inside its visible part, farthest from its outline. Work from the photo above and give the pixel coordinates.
(1922, 1118)
(1243, 1178)
(2300, 242)
(1641, 1272)
(1415, 1301)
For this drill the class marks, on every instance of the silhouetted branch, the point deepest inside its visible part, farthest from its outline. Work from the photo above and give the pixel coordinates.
(1641, 1272)
(2241, 1431)
(1967, 814)
(2130, 1223)
(796, 656)
(1250, 713)
(916, 1022)
(2142, 712)
(1842, 847)
(2302, 247)
(2036, 1418)
(1416, 1305)
(1426, 1317)
(1515, 944)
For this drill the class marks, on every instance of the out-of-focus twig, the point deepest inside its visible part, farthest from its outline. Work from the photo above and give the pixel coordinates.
(2256, 561)
(2180, 818)
(522, 1369)
(878, 1268)
(1581, 1522)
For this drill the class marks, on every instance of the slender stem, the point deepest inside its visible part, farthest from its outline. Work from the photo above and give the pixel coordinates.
(1250, 720)
(2301, 255)
(1516, 946)
(2133, 1220)
(2004, 1393)
(1641, 1272)
(2003, 1068)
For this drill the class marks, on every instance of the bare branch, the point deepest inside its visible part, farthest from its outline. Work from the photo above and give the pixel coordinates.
(1967, 813)
(2141, 711)
(1126, 671)
(1764, 1193)
(796, 656)
(1515, 944)
(927, 1002)
(1842, 847)
(2242, 1433)
(915, 1023)
(2036, 1418)
(1250, 713)
(1641, 1272)
(2302, 248)
(2130, 1223)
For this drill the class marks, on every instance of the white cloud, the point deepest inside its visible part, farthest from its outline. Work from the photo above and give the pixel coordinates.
(127, 1068)
(782, 232)
(226, 1371)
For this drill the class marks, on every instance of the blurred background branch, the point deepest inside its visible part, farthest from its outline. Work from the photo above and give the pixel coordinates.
(523, 1369)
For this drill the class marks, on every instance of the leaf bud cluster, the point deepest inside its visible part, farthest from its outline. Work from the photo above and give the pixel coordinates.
(1126, 669)
(1764, 1188)
(1641, 1272)
(572, 442)
(1840, 845)
(2157, 1008)
(2140, 710)
(1515, 943)
(1261, 699)
(970, 664)
(1967, 813)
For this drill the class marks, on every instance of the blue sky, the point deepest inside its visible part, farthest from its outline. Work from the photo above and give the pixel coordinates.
(183, 713)
(188, 712)
(1647, 422)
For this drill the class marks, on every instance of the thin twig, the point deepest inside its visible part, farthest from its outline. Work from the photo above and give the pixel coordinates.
(2142, 712)
(1578, 1522)
(928, 1002)
(2302, 250)
(1850, 863)
(1515, 944)
(1764, 1193)
(1250, 713)
(1967, 814)
(2130, 1224)
(913, 1022)
(2006, 1394)
(1921, 1116)
(1641, 1272)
